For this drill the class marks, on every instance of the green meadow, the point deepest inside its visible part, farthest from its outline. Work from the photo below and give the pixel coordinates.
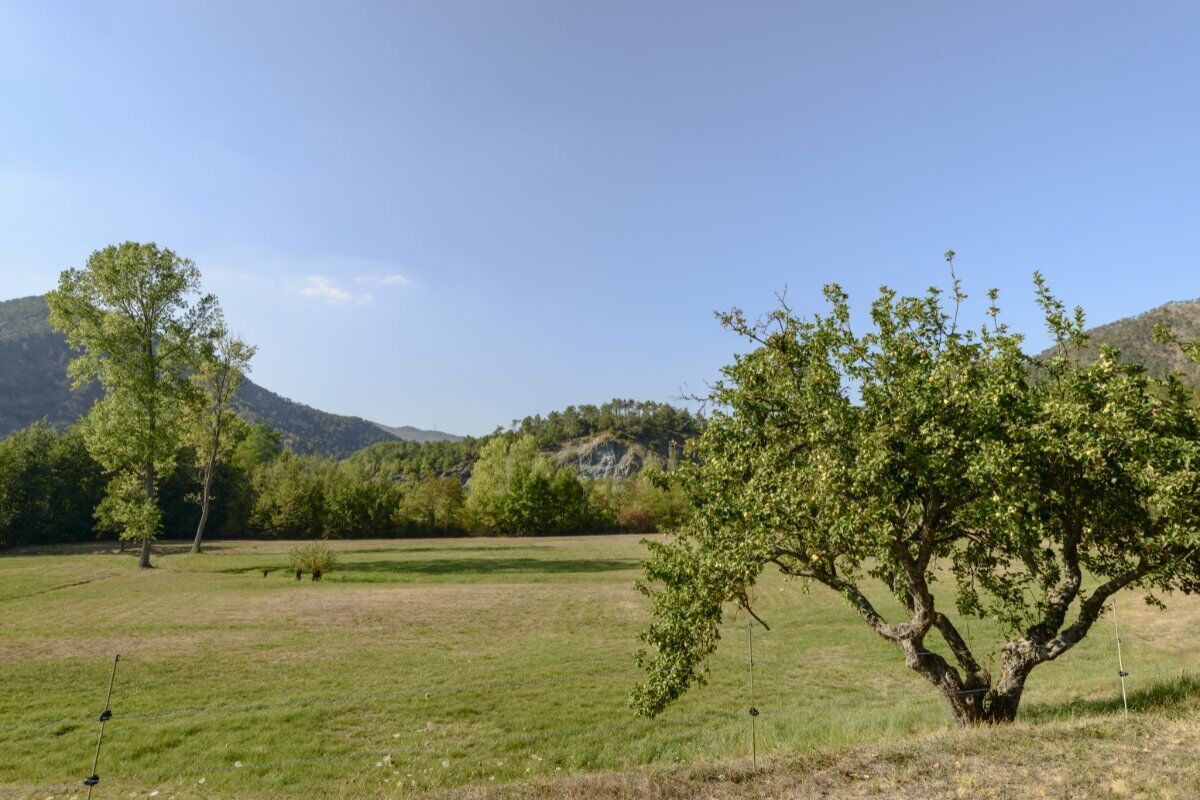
(422, 665)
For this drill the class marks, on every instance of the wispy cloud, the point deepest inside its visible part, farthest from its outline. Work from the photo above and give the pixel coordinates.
(328, 290)
(394, 279)
(331, 290)
(330, 279)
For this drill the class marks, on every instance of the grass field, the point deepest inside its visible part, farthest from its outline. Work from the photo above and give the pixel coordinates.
(426, 665)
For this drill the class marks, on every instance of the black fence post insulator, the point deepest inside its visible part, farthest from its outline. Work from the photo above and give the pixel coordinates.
(105, 715)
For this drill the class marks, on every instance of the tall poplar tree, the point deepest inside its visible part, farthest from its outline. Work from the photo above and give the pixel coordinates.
(136, 315)
(224, 362)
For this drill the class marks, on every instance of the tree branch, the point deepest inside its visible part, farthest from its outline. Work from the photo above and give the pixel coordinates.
(848, 590)
(1059, 599)
(1089, 610)
(962, 653)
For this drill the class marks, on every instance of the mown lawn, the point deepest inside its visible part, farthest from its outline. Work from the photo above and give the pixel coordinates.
(429, 664)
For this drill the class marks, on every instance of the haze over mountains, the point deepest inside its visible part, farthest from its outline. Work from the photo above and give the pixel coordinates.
(34, 386)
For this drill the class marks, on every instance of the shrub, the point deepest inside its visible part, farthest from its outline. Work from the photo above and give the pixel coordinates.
(313, 557)
(636, 518)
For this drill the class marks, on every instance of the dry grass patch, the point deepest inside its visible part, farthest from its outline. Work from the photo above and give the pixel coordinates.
(1144, 756)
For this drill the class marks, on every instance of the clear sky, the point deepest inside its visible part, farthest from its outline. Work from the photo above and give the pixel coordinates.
(458, 213)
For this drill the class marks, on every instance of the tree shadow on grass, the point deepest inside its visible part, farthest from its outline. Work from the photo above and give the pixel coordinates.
(1164, 695)
(160, 547)
(345, 570)
(401, 549)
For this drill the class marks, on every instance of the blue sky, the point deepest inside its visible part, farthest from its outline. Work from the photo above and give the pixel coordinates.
(458, 213)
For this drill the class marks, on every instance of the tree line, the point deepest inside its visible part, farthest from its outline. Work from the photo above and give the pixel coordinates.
(52, 490)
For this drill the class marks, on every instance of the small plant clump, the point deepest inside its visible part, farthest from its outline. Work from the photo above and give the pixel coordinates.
(314, 557)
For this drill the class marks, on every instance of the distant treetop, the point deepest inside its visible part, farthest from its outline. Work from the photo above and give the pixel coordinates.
(641, 420)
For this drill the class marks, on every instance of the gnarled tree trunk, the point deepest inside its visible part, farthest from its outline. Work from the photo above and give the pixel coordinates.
(990, 705)
(970, 694)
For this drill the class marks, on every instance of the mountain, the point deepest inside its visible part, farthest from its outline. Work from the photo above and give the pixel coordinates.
(33, 369)
(1134, 336)
(34, 386)
(408, 433)
(305, 429)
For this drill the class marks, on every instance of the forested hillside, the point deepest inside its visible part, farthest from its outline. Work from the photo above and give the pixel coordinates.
(656, 425)
(33, 369)
(305, 429)
(34, 386)
(1134, 336)
(613, 440)
(501, 484)
(282, 471)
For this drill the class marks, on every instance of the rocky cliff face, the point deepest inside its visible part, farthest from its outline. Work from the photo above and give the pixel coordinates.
(600, 456)
(604, 456)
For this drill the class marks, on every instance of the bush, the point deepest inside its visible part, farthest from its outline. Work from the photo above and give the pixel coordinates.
(313, 557)
(651, 501)
(637, 518)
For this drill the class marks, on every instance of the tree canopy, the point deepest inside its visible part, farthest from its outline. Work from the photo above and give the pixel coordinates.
(49, 486)
(943, 466)
(136, 315)
(515, 490)
(224, 361)
(645, 420)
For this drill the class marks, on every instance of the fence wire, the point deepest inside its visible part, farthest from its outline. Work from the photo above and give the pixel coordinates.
(827, 698)
(329, 699)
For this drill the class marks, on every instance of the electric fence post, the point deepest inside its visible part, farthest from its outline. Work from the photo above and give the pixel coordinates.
(753, 709)
(105, 716)
(1121, 673)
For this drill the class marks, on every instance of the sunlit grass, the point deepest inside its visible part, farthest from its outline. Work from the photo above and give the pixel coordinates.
(434, 663)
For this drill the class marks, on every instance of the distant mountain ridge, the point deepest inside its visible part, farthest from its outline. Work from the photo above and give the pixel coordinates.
(408, 433)
(1134, 337)
(34, 386)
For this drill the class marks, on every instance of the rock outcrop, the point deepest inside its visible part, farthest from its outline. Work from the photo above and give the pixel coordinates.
(604, 456)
